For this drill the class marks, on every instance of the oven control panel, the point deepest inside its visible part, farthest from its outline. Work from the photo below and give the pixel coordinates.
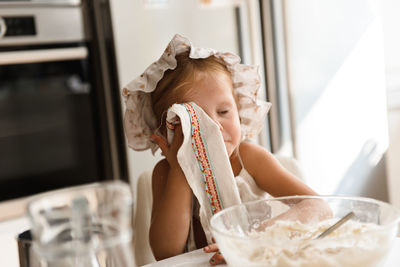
(41, 24)
(17, 26)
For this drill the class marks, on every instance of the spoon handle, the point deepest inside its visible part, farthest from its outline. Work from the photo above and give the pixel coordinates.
(336, 225)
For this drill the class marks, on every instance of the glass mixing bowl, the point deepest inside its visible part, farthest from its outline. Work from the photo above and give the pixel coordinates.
(283, 232)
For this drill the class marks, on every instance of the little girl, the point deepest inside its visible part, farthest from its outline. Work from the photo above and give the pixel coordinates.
(226, 91)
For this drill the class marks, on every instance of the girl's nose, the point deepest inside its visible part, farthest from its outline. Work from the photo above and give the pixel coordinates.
(216, 120)
(219, 125)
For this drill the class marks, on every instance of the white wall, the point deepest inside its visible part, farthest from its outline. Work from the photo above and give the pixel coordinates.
(391, 22)
(337, 86)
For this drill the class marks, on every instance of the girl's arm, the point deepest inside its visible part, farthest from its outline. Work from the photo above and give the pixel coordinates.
(269, 174)
(172, 196)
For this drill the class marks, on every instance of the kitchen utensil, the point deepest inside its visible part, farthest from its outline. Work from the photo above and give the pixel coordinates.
(347, 217)
(332, 228)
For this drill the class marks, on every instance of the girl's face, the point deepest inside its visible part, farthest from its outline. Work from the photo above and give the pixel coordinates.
(213, 93)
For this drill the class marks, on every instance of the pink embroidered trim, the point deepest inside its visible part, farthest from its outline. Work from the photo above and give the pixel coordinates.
(200, 149)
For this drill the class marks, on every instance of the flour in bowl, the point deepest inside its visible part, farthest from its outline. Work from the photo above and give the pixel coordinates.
(288, 243)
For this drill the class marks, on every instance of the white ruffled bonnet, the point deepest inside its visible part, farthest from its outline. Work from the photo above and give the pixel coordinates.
(140, 122)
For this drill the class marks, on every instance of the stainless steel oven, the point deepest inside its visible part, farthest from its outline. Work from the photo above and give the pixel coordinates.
(58, 118)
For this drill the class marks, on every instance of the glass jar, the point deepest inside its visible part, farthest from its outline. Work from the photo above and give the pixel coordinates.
(88, 226)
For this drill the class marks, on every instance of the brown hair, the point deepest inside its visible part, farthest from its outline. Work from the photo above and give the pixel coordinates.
(175, 84)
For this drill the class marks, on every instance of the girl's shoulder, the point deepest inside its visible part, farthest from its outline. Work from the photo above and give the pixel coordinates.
(253, 156)
(249, 150)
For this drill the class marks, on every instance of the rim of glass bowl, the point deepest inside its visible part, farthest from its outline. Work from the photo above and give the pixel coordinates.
(324, 197)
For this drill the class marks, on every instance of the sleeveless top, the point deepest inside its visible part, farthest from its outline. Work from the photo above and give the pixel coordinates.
(248, 191)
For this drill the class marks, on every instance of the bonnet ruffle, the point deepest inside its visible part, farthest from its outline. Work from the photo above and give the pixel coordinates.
(139, 120)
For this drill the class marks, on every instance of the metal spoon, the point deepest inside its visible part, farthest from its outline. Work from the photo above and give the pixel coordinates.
(336, 225)
(332, 228)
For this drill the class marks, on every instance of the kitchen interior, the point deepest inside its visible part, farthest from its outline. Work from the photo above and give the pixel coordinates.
(331, 70)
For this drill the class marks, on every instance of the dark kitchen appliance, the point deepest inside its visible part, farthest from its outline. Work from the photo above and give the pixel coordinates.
(60, 121)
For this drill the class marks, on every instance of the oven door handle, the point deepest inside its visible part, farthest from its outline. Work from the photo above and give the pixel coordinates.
(43, 55)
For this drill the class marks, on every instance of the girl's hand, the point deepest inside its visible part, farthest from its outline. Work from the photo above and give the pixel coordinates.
(217, 258)
(170, 151)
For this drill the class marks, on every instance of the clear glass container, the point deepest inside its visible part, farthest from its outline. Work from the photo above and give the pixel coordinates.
(88, 225)
(283, 232)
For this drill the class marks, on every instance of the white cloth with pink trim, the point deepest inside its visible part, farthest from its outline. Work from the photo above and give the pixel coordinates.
(204, 161)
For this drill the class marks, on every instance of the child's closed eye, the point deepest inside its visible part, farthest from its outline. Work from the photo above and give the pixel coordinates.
(222, 112)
